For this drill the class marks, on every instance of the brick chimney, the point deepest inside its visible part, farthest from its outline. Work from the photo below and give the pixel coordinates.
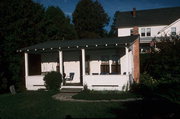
(136, 61)
(135, 30)
(134, 12)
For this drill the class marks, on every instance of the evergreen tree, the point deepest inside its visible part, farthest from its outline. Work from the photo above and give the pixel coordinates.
(58, 26)
(114, 31)
(20, 25)
(24, 23)
(90, 19)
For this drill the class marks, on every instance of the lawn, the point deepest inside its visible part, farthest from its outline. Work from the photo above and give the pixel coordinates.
(104, 95)
(40, 105)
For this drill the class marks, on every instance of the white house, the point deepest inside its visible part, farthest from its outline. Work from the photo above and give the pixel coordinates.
(101, 64)
(149, 23)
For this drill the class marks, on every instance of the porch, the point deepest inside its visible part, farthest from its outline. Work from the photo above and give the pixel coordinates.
(100, 65)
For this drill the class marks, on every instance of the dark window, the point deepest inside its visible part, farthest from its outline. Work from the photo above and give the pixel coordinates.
(34, 64)
(148, 32)
(104, 65)
(173, 31)
(87, 64)
(131, 32)
(115, 67)
(142, 31)
(58, 65)
(104, 69)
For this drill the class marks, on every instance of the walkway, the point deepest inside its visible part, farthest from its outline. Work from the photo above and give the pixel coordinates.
(66, 95)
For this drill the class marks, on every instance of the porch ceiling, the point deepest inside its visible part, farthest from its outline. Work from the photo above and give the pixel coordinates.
(77, 44)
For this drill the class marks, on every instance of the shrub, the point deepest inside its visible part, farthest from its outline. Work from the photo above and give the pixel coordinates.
(85, 88)
(146, 86)
(163, 88)
(53, 80)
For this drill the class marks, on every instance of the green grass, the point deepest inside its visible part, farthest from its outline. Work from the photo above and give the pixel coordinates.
(104, 95)
(40, 105)
(37, 105)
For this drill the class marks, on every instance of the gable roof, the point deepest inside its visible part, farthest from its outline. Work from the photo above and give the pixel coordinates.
(161, 16)
(83, 43)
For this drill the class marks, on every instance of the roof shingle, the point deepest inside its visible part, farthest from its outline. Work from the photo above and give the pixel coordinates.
(161, 16)
(70, 44)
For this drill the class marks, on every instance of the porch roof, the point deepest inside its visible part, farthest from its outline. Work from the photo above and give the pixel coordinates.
(83, 43)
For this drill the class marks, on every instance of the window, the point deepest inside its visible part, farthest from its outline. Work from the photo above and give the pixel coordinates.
(115, 64)
(131, 32)
(34, 63)
(173, 31)
(87, 64)
(104, 64)
(148, 33)
(142, 31)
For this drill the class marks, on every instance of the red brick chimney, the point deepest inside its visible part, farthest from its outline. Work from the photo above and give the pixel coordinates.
(136, 61)
(135, 30)
(134, 12)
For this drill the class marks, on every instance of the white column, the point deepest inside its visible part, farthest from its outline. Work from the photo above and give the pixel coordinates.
(83, 61)
(61, 63)
(127, 60)
(26, 64)
(110, 67)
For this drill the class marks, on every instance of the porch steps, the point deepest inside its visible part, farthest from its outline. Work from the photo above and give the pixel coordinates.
(71, 90)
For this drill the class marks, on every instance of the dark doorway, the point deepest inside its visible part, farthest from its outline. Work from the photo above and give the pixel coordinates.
(34, 63)
(81, 75)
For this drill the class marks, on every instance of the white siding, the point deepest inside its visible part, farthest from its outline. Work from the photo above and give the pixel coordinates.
(164, 29)
(95, 62)
(124, 65)
(34, 82)
(107, 82)
(124, 32)
(49, 62)
(167, 30)
(154, 30)
(72, 64)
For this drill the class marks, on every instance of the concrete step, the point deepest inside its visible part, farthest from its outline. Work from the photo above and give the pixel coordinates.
(71, 90)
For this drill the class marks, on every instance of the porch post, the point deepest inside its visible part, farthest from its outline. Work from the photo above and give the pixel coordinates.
(110, 66)
(26, 64)
(61, 63)
(127, 60)
(83, 61)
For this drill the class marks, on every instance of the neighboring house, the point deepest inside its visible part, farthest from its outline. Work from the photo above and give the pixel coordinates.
(101, 64)
(149, 23)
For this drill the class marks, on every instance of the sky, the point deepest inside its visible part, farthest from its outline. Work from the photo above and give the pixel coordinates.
(111, 6)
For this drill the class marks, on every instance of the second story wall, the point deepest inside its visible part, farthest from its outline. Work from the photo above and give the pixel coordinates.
(172, 29)
(145, 29)
(153, 31)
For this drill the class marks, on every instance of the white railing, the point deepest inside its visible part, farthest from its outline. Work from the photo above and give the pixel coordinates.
(93, 82)
(34, 82)
(106, 82)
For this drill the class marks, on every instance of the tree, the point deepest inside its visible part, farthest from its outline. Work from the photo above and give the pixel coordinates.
(58, 26)
(113, 32)
(162, 70)
(89, 19)
(20, 26)
(165, 63)
(24, 23)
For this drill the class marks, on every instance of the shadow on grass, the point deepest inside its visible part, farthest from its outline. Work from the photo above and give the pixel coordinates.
(147, 109)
